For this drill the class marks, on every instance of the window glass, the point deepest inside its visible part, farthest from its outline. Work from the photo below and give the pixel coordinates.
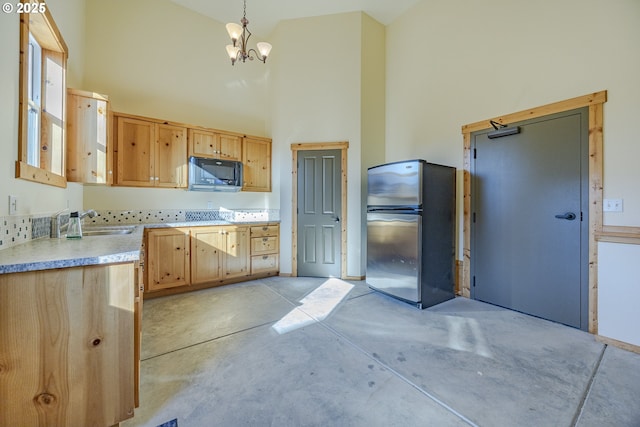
(43, 59)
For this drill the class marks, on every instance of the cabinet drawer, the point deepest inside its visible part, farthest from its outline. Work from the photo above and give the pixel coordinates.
(264, 245)
(264, 263)
(264, 230)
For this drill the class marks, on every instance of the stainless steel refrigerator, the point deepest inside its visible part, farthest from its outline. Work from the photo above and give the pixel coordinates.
(411, 231)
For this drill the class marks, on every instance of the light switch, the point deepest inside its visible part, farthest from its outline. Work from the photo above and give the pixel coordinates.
(612, 205)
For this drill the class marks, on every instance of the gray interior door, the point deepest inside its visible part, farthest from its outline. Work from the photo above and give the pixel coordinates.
(529, 218)
(319, 208)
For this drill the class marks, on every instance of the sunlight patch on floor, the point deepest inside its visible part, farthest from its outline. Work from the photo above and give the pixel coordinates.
(466, 335)
(315, 307)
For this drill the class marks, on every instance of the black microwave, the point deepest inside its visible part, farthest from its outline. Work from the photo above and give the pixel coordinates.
(214, 174)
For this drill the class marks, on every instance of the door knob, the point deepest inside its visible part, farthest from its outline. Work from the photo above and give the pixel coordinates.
(336, 219)
(568, 216)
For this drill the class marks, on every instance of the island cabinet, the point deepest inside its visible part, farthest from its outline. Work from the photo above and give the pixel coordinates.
(67, 346)
(219, 253)
(167, 258)
(265, 249)
(149, 154)
(215, 145)
(256, 164)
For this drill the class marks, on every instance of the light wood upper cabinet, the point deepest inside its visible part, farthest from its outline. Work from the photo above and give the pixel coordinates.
(150, 154)
(88, 158)
(154, 153)
(171, 156)
(168, 258)
(256, 163)
(135, 153)
(215, 145)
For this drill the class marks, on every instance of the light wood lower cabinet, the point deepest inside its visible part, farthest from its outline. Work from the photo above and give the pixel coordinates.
(167, 258)
(218, 255)
(265, 249)
(67, 346)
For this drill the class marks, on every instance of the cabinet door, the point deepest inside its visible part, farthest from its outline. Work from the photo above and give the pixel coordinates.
(171, 156)
(207, 247)
(167, 258)
(236, 256)
(203, 143)
(136, 140)
(87, 153)
(67, 346)
(256, 161)
(230, 147)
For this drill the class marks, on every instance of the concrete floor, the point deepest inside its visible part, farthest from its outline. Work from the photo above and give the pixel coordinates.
(323, 352)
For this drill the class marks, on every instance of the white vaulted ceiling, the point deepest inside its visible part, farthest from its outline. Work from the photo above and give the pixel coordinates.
(264, 15)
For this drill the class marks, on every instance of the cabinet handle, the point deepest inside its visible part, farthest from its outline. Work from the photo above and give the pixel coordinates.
(265, 256)
(264, 239)
(265, 228)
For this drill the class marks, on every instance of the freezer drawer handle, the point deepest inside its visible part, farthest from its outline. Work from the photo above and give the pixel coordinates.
(568, 216)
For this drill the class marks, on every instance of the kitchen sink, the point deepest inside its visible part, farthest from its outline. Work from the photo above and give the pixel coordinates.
(108, 230)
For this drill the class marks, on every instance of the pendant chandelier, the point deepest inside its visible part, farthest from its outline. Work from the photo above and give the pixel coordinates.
(240, 35)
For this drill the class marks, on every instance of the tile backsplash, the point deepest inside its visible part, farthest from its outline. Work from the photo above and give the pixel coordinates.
(16, 229)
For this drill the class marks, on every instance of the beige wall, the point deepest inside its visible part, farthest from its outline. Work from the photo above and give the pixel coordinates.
(619, 291)
(453, 62)
(315, 96)
(156, 59)
(33, 197)
(373, 58)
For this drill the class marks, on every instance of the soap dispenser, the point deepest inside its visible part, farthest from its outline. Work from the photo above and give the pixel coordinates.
(75, 230)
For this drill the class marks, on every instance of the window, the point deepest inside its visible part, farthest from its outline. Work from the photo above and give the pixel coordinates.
(41, 134)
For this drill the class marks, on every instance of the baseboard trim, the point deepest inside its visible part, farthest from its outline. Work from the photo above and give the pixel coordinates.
(620, 344)
(354, 278)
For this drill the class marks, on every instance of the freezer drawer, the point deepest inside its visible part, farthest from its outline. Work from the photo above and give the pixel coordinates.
(394, 254)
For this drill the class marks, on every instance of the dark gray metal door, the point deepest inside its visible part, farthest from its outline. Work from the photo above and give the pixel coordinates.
(529, 218)
(319, 208)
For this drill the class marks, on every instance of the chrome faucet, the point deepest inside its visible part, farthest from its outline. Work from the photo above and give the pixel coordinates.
(90, 213)
(56, 223)
(60, 221)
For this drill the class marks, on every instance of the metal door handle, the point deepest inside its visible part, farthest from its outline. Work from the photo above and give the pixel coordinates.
(337, 219)
(568, 216)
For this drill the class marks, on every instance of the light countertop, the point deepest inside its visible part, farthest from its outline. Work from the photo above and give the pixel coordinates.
(47, 253)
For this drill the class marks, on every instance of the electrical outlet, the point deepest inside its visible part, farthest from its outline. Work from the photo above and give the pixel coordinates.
(612, 205)
(13, 205)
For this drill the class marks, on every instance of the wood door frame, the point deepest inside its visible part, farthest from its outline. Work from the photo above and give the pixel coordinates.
(343, 147)
(595, 103)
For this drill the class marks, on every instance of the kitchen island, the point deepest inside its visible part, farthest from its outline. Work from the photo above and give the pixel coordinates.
(69, 331)
(71, 311)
